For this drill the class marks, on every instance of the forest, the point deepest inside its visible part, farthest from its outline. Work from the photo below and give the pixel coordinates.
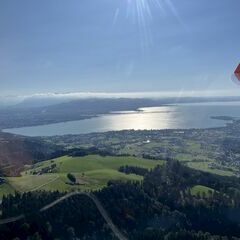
(162, 206)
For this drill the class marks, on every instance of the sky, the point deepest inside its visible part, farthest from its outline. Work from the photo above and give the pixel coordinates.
(118, 46)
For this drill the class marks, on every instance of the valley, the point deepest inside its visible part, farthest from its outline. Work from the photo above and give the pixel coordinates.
(95, 158)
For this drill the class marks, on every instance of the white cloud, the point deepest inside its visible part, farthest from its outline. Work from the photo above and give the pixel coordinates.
(84, 95)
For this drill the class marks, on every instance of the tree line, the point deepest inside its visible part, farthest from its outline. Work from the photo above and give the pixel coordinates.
(160, 207)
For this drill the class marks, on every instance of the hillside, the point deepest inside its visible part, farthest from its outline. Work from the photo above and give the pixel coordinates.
(162, 207)
(17, 151)
(27, 114)
(91, 172)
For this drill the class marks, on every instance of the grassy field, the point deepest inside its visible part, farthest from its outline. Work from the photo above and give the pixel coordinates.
(5, 189)
(30, 182)
(194, 154)
(92, 172)
(93, 162)
(200, 189)
(204, 166)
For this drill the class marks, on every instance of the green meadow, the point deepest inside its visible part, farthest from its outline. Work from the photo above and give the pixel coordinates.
(200, 189)
(92, 172)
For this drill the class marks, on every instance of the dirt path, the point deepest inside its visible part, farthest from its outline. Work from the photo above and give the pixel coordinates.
(38, 187)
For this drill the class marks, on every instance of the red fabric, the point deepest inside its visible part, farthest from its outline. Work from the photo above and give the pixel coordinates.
(238, 76)
(237, 71)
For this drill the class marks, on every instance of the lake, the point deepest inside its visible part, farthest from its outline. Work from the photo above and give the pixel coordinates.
(183, 116)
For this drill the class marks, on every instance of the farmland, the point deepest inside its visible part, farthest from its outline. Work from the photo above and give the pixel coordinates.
(210, 150)
(214, 150)
(91, 172)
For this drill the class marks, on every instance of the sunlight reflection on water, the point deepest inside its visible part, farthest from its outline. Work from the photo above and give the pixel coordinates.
(164, 117)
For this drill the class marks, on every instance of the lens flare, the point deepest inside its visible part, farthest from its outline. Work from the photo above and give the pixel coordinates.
(142, 12)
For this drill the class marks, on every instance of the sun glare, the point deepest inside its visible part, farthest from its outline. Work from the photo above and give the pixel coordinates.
(142, 12)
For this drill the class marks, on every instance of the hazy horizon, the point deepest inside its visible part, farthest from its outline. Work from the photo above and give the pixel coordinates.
(69, 96)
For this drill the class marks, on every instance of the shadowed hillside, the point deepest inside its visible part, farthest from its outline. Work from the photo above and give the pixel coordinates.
(17, 151)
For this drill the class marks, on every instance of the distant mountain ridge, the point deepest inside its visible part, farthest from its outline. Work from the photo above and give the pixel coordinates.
(26, 115)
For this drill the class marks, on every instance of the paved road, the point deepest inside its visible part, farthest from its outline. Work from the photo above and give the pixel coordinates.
(99, 206)
(12, 219)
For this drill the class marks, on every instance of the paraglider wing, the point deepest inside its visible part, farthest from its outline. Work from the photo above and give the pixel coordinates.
(236, 75)
(237, 72)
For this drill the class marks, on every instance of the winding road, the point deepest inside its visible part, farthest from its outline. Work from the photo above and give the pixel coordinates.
(98, 204)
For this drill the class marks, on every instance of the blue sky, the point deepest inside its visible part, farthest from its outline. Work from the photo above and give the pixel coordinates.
(106, 46)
